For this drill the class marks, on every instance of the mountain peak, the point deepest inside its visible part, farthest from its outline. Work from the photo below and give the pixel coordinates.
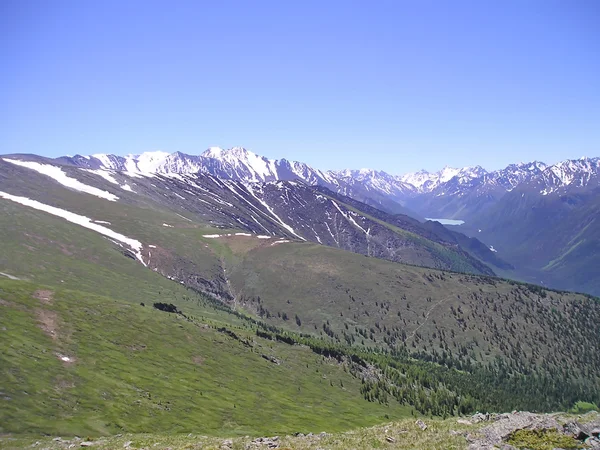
(213, 152)
(232, 153)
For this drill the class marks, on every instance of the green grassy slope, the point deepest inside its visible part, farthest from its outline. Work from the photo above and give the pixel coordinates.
(439, 342)
(373, 303)
(138, 369)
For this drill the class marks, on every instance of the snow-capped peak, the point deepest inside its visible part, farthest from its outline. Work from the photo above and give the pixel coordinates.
(425, 181)
(148, 162)
(213, 152)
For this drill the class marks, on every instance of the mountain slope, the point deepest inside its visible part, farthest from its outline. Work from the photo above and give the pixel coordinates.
(239, 293)
(286, 209)
(553, 237)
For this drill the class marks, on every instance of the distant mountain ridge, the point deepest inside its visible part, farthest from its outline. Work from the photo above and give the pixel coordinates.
(238, 163)
(540, 218)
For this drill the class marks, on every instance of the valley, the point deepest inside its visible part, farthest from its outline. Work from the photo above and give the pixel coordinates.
(286, 308)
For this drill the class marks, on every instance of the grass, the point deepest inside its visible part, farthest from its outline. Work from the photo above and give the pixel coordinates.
(138, 369)
(349, 293)
(542, 440)
(405, 434)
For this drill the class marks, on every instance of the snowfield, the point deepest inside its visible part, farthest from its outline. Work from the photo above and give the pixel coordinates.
(58, 175)
(83, 221)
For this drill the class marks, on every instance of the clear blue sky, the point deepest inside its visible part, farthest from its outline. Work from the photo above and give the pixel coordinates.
(394, 85)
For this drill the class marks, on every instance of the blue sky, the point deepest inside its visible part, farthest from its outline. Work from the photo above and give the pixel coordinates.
(393, 85)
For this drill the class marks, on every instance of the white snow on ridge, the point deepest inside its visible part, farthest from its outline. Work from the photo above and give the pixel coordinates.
(83, 221)
(105, 160)
(10, 277)
(349, 218)
(260, 236)
(282, 241)
(104, 174)
(58, 175)
(281, 222)
(149, 162)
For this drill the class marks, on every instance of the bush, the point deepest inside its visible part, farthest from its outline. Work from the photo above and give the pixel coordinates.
(583, 407)
(167, 307)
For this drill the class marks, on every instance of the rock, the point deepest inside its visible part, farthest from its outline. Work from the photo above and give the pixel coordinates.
(127, 444)
(86, 444)
(390, 439)
(592, 442)
(478, 417)
(573, 429)
(591, 428)
(464, 422)
(265, 442)
(322, 434)
(421, 424)
(57, 439)
(496, 434)
(227, 444)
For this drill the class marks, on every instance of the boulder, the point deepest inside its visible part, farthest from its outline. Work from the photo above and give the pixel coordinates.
(575, 430)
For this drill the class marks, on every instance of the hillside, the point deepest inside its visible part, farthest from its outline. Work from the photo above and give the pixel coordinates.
(288, 209)
(78, 363)
(554, 238)
(485, 200)
(311, 336)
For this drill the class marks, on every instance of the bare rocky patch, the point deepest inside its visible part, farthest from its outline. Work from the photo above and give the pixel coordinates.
(137, 347)
(48, 322)
(66, 359)
(502, 428)
(46, 297)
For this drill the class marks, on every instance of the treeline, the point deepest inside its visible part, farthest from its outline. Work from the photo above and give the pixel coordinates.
(440, 384)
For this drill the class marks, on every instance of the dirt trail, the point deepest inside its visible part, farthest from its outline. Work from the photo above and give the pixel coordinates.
(44, 296)
(412, 334)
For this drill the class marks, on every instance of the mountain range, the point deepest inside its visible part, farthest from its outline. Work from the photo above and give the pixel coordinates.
(153, 296)
(513, 210)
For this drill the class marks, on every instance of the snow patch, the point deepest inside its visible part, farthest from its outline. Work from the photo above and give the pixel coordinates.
(83, 221)
(285, 225)
(58, 175)
(282, 241)
(167, 225)
(104, 174)
(10, 277)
